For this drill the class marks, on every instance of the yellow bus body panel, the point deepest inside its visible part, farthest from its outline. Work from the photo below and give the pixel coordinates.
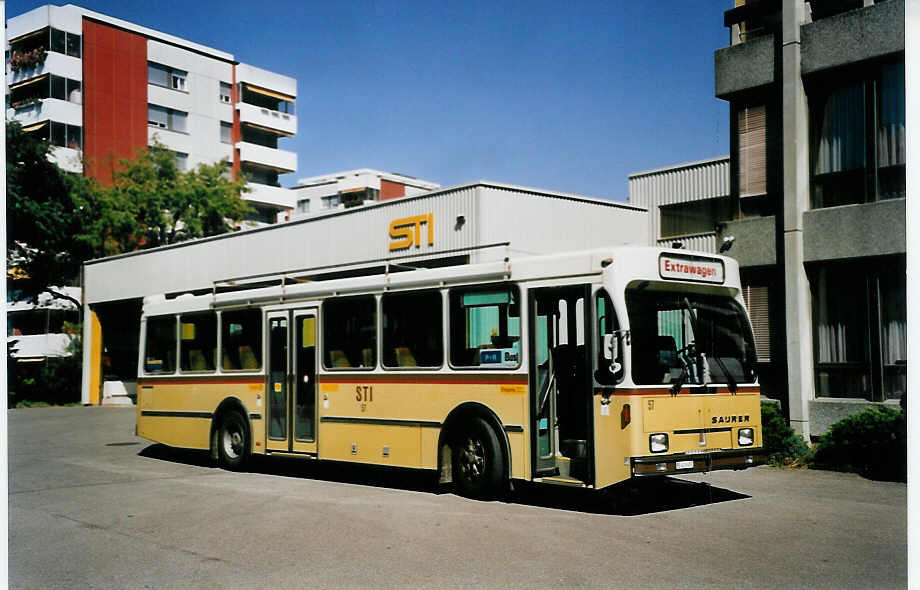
(713, 418)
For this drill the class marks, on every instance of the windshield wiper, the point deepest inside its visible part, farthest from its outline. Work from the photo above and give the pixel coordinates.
(729, 378)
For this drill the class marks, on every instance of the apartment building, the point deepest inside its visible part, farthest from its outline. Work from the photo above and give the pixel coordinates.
(352, 188)
(101, 88)
(817, 197)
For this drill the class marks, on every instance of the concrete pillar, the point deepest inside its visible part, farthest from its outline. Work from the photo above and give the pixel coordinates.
(796, 199)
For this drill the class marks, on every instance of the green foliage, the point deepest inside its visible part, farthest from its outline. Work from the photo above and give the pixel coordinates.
(780, 440)
(151, 202)
(54, 381)
(41, 217)
(872, 443)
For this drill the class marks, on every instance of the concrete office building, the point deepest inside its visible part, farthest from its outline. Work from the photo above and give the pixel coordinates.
(817, 195)
(352, 188)
(814, 196)
(101, 88)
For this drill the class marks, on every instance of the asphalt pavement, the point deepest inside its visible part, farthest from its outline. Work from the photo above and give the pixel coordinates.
(93, 506)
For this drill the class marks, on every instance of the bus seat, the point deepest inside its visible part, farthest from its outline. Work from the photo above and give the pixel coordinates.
(196, 361)
(404, 357)
(367, 357)
(338, 359)
(227, 362)
(667, 357)
(248, 360)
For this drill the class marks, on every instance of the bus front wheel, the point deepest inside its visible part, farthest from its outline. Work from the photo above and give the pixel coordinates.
(232, 441)
(478, 466)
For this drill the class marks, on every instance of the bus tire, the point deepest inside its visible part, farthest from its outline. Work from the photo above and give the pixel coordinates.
(232, 441)
(477, 461)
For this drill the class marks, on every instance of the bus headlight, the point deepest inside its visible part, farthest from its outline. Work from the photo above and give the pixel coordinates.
(745, 437)
(658, 442)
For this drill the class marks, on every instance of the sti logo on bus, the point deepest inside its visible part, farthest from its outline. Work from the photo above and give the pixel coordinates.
(687, 268)
(406, 232)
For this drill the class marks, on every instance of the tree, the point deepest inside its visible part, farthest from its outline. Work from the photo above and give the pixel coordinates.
(151, 202)
(41, 216)
(56, 220)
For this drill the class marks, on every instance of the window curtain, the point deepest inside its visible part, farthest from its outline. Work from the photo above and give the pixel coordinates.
(891, 116)
(752, 151)
(842, 139)
(841, 310)
(894, 320)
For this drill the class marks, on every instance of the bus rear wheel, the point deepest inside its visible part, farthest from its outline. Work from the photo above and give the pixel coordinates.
(477, 462)
(232, 441)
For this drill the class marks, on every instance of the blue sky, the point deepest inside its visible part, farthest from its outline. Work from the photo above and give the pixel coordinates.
(564, 96)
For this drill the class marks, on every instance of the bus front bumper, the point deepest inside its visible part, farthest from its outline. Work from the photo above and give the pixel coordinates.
(678, 463)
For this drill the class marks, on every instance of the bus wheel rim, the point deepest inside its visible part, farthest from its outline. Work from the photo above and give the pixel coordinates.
(472, 460)
(233, 442)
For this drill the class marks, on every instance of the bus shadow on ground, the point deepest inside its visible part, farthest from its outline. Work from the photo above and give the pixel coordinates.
(629, 499)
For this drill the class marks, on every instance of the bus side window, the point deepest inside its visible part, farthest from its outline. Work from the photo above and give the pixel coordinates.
(608, 364)
(198, 342)
(241, 340)
(350, 332)
(412, 329)
(485, 328)
(160, 345)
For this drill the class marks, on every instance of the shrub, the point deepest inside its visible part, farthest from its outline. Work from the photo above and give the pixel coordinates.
(780, 440)
(872, 443)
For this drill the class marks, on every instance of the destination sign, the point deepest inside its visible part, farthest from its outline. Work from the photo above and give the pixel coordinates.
(687, 268)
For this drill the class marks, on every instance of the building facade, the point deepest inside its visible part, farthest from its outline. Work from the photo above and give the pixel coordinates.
(817, 195)
(352, 188)
(101, 89)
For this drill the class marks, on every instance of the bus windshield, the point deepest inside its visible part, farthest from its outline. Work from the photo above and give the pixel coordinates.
(693, 337)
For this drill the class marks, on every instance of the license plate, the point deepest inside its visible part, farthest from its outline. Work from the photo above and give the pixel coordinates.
(685, 464)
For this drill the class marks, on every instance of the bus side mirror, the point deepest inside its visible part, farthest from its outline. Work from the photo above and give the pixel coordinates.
(610, 347)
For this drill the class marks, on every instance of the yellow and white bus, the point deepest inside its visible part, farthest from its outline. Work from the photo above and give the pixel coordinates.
(585, 369)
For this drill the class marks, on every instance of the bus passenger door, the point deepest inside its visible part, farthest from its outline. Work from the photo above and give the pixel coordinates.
(561, 393)
(291, 387)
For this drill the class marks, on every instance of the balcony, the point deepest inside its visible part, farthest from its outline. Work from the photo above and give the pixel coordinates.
(44, 109)
(271, 195)
(854, 36)
(280, 160)
(265, 118)
(55, 63)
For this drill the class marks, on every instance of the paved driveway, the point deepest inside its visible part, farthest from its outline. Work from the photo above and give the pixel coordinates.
(92, 506)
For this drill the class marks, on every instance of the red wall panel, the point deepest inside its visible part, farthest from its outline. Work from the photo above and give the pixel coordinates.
(391, 190)
(114, 97)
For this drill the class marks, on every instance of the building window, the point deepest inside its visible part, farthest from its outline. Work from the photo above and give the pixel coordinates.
(32, 92)
(331, 202)
(303, 206)
(226, 132)
(267, 99)
(160, 75)
(858, 153)
(752, 151)
(63, 135)
(225, 92)
(693, 217)
(757, 301)
(164, 118)
(64, 42)
(181, 161)
(860, 330)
